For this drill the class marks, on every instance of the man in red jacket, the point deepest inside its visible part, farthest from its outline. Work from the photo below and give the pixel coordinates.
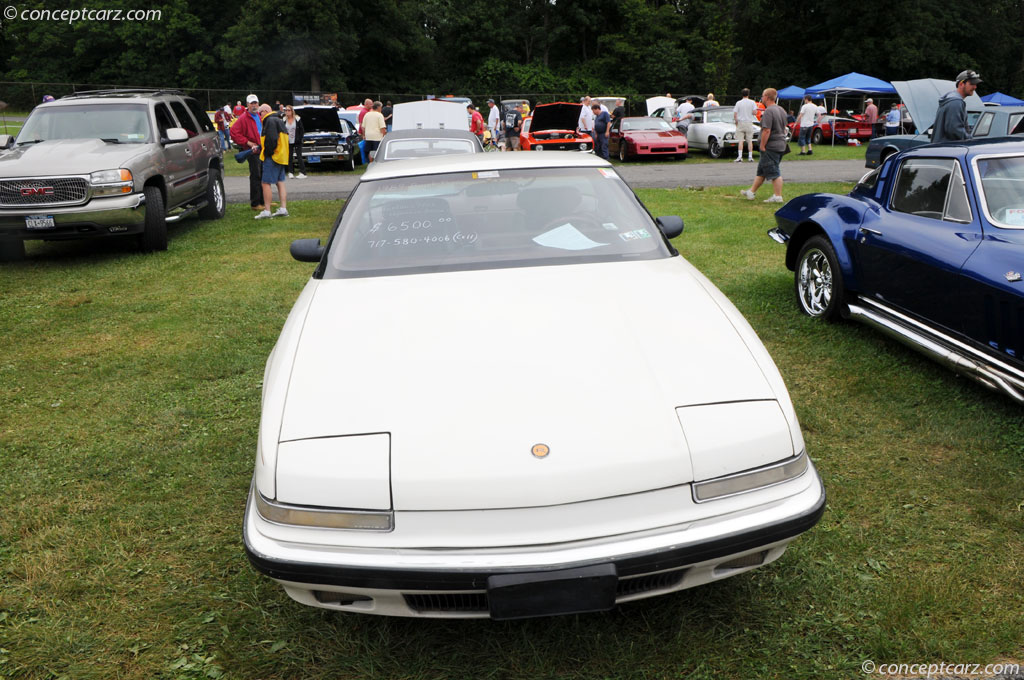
(246, 133)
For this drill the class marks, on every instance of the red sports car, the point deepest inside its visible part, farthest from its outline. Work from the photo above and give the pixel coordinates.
(553, 127)
(845, 128)
(632, 137)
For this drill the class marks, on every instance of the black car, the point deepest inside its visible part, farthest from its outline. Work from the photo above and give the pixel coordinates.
(328, 138)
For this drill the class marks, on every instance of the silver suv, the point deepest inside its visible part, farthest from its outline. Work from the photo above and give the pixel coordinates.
(108, 163)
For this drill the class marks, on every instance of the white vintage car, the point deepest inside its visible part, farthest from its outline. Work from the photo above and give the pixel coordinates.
(504, 394)
(710, 129)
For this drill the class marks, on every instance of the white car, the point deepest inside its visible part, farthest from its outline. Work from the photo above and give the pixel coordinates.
(503, 393)
(710, 129)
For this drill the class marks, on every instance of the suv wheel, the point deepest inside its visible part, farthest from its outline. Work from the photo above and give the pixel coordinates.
(214, 209)
(154, 235)
(12, 250)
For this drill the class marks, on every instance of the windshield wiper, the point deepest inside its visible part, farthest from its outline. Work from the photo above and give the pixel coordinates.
(31, 141)
(110, 140)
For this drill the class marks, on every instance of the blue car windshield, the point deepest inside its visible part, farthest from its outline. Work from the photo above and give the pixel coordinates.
(489, 220)
(1002, 184)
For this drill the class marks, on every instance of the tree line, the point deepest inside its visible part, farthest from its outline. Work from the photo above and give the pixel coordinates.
(470, 46)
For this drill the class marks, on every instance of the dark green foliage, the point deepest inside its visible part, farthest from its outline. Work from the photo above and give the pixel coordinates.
(517, 46)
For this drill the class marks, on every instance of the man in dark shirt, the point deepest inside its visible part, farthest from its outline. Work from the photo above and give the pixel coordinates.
(513, 124)
(951, 118)
(773, 146)
(619, 112)
(601, 122)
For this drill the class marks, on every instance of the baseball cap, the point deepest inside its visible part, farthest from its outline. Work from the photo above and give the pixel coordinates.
(971, 76)
(490, 101)
(252, 98)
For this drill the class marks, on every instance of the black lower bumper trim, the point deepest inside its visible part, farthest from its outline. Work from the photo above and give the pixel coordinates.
(426, 579)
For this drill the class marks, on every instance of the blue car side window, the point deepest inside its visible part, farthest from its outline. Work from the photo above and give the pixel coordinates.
(958, 208)
(921, 187)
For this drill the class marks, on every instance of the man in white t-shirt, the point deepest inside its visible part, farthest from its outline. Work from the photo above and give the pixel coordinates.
(807, 118)
(743, 113)
(493, 120)
(586, 121)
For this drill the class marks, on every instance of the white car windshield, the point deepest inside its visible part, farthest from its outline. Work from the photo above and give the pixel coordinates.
(718, 115)
(418, 148)
(122, 123)
(493, 219)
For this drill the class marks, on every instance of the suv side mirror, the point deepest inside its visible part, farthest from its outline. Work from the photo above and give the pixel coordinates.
(6, 141)
(307, 250)
(670, 225)
(175, 135)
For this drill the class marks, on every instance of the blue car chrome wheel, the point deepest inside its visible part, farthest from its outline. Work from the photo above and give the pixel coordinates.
(819, 283)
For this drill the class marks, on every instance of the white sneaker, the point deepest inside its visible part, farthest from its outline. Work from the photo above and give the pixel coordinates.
(748, 194)
(739, 159)
(280, 212)
(750, 159)
(262, 215)
(773, 199)
(291, 176)
(300, 176)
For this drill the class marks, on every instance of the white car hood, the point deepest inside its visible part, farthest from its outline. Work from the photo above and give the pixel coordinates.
(467, 371)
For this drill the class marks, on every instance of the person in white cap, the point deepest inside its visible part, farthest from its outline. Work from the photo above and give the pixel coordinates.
(246, 134)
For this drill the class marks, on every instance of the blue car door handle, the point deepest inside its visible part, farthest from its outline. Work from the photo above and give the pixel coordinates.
(865, 230)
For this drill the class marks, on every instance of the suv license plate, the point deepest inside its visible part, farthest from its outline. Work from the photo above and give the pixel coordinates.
(312, 159)
(39, 222)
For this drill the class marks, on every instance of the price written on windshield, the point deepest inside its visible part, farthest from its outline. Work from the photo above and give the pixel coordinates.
(407, 225)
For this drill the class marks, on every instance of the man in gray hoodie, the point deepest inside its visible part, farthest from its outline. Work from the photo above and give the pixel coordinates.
(951, 118)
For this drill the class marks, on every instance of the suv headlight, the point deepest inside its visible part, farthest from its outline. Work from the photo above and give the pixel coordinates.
(111, 182)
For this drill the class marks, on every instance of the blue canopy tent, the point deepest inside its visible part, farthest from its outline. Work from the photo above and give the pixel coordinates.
(791, 92)
(1002, 99)
(852, 82)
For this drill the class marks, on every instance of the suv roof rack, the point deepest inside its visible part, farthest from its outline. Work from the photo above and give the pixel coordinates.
(124, 92)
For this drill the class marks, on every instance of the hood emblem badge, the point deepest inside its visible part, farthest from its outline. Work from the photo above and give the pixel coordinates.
(540, 450)
(1013, 277)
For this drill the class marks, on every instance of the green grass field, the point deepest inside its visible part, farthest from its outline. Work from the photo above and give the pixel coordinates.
(129, 402)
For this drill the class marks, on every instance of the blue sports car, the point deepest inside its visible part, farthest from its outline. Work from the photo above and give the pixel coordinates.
(928, 248)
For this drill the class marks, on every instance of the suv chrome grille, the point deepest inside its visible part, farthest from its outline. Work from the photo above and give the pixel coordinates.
(17, 193)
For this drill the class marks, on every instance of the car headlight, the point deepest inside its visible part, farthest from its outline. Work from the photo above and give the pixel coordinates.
(538, 147)
(758, 478)
(323, 518)
(341, 148)
(111, 182)
(584, 146)
(730, 135)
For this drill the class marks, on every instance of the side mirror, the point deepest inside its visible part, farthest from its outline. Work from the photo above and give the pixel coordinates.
(6, 141)
(307, 250)
(176, 135)
(670, 225)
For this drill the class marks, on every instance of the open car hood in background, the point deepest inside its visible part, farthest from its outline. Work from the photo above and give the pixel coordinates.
(922, 99)
(319, 120)
(557, 116)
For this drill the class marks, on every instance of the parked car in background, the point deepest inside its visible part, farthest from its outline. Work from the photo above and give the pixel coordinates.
(929, 249)
(921, 100)
(404, 144)
(645, 136)
(712, 129)
(552, 127)
(509, 104)
(842, 128)
(109, 163)
(526, 431)
(328, 139)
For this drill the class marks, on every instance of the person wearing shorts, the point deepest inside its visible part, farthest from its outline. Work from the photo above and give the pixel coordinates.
(744, 114)
(773, 145)
(274, 153)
